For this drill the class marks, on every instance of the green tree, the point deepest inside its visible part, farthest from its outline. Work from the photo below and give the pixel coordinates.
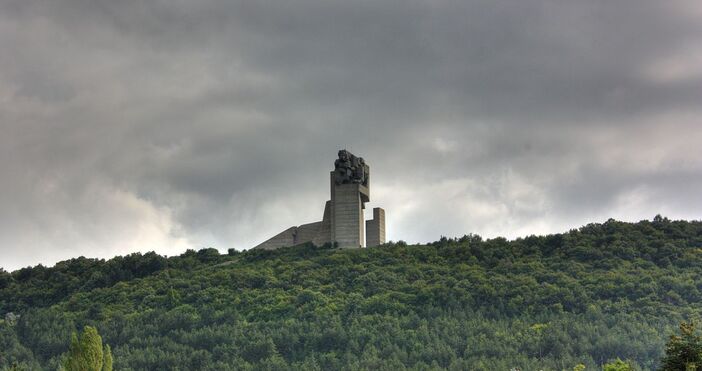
(683, 352)
(107, 360)
(617, 365)
(72, 358)
(86, 353)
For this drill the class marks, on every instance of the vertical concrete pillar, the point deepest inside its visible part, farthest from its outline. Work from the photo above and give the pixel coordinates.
(347, 215)
(375, 228)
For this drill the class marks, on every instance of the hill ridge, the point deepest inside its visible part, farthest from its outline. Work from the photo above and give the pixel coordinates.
(603, 291)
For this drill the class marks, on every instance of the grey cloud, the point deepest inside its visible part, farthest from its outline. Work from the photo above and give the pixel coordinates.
(138, 125)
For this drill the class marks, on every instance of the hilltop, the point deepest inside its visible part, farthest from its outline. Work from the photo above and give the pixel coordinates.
(590, 295)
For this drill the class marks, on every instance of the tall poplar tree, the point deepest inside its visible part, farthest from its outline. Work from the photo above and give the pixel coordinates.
(86, 353)
(107, 361)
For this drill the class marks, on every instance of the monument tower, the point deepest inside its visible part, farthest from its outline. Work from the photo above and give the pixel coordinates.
(343, 222)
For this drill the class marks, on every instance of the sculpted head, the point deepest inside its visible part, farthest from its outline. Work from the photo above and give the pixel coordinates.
(343, 155)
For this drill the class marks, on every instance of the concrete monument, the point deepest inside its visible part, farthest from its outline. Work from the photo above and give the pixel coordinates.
(343, 222)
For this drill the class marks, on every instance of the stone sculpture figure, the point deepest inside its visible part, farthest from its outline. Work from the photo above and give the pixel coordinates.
(350, 169)
(343, 167)
(360, 171)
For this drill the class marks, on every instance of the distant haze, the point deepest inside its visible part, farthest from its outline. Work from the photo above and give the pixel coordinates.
(164, 125)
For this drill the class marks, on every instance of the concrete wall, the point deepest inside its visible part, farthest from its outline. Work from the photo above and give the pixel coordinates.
(347, 216)
(284, 238)
(318, 233)
(324, 233)
(375, 228)
(307, 232)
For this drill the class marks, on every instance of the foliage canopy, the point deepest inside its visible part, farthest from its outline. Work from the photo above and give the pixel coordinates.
(588, 296)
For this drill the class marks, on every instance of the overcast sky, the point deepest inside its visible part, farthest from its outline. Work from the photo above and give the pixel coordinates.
(164, 125)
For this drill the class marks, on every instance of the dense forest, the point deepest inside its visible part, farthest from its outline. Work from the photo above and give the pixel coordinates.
(589, 296)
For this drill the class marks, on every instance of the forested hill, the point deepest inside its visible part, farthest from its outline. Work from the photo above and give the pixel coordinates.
(591, 295)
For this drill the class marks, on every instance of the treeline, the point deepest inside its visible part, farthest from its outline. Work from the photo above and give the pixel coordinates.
(589, 296)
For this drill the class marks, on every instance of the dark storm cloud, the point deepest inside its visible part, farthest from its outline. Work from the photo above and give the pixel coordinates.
(163, 125)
